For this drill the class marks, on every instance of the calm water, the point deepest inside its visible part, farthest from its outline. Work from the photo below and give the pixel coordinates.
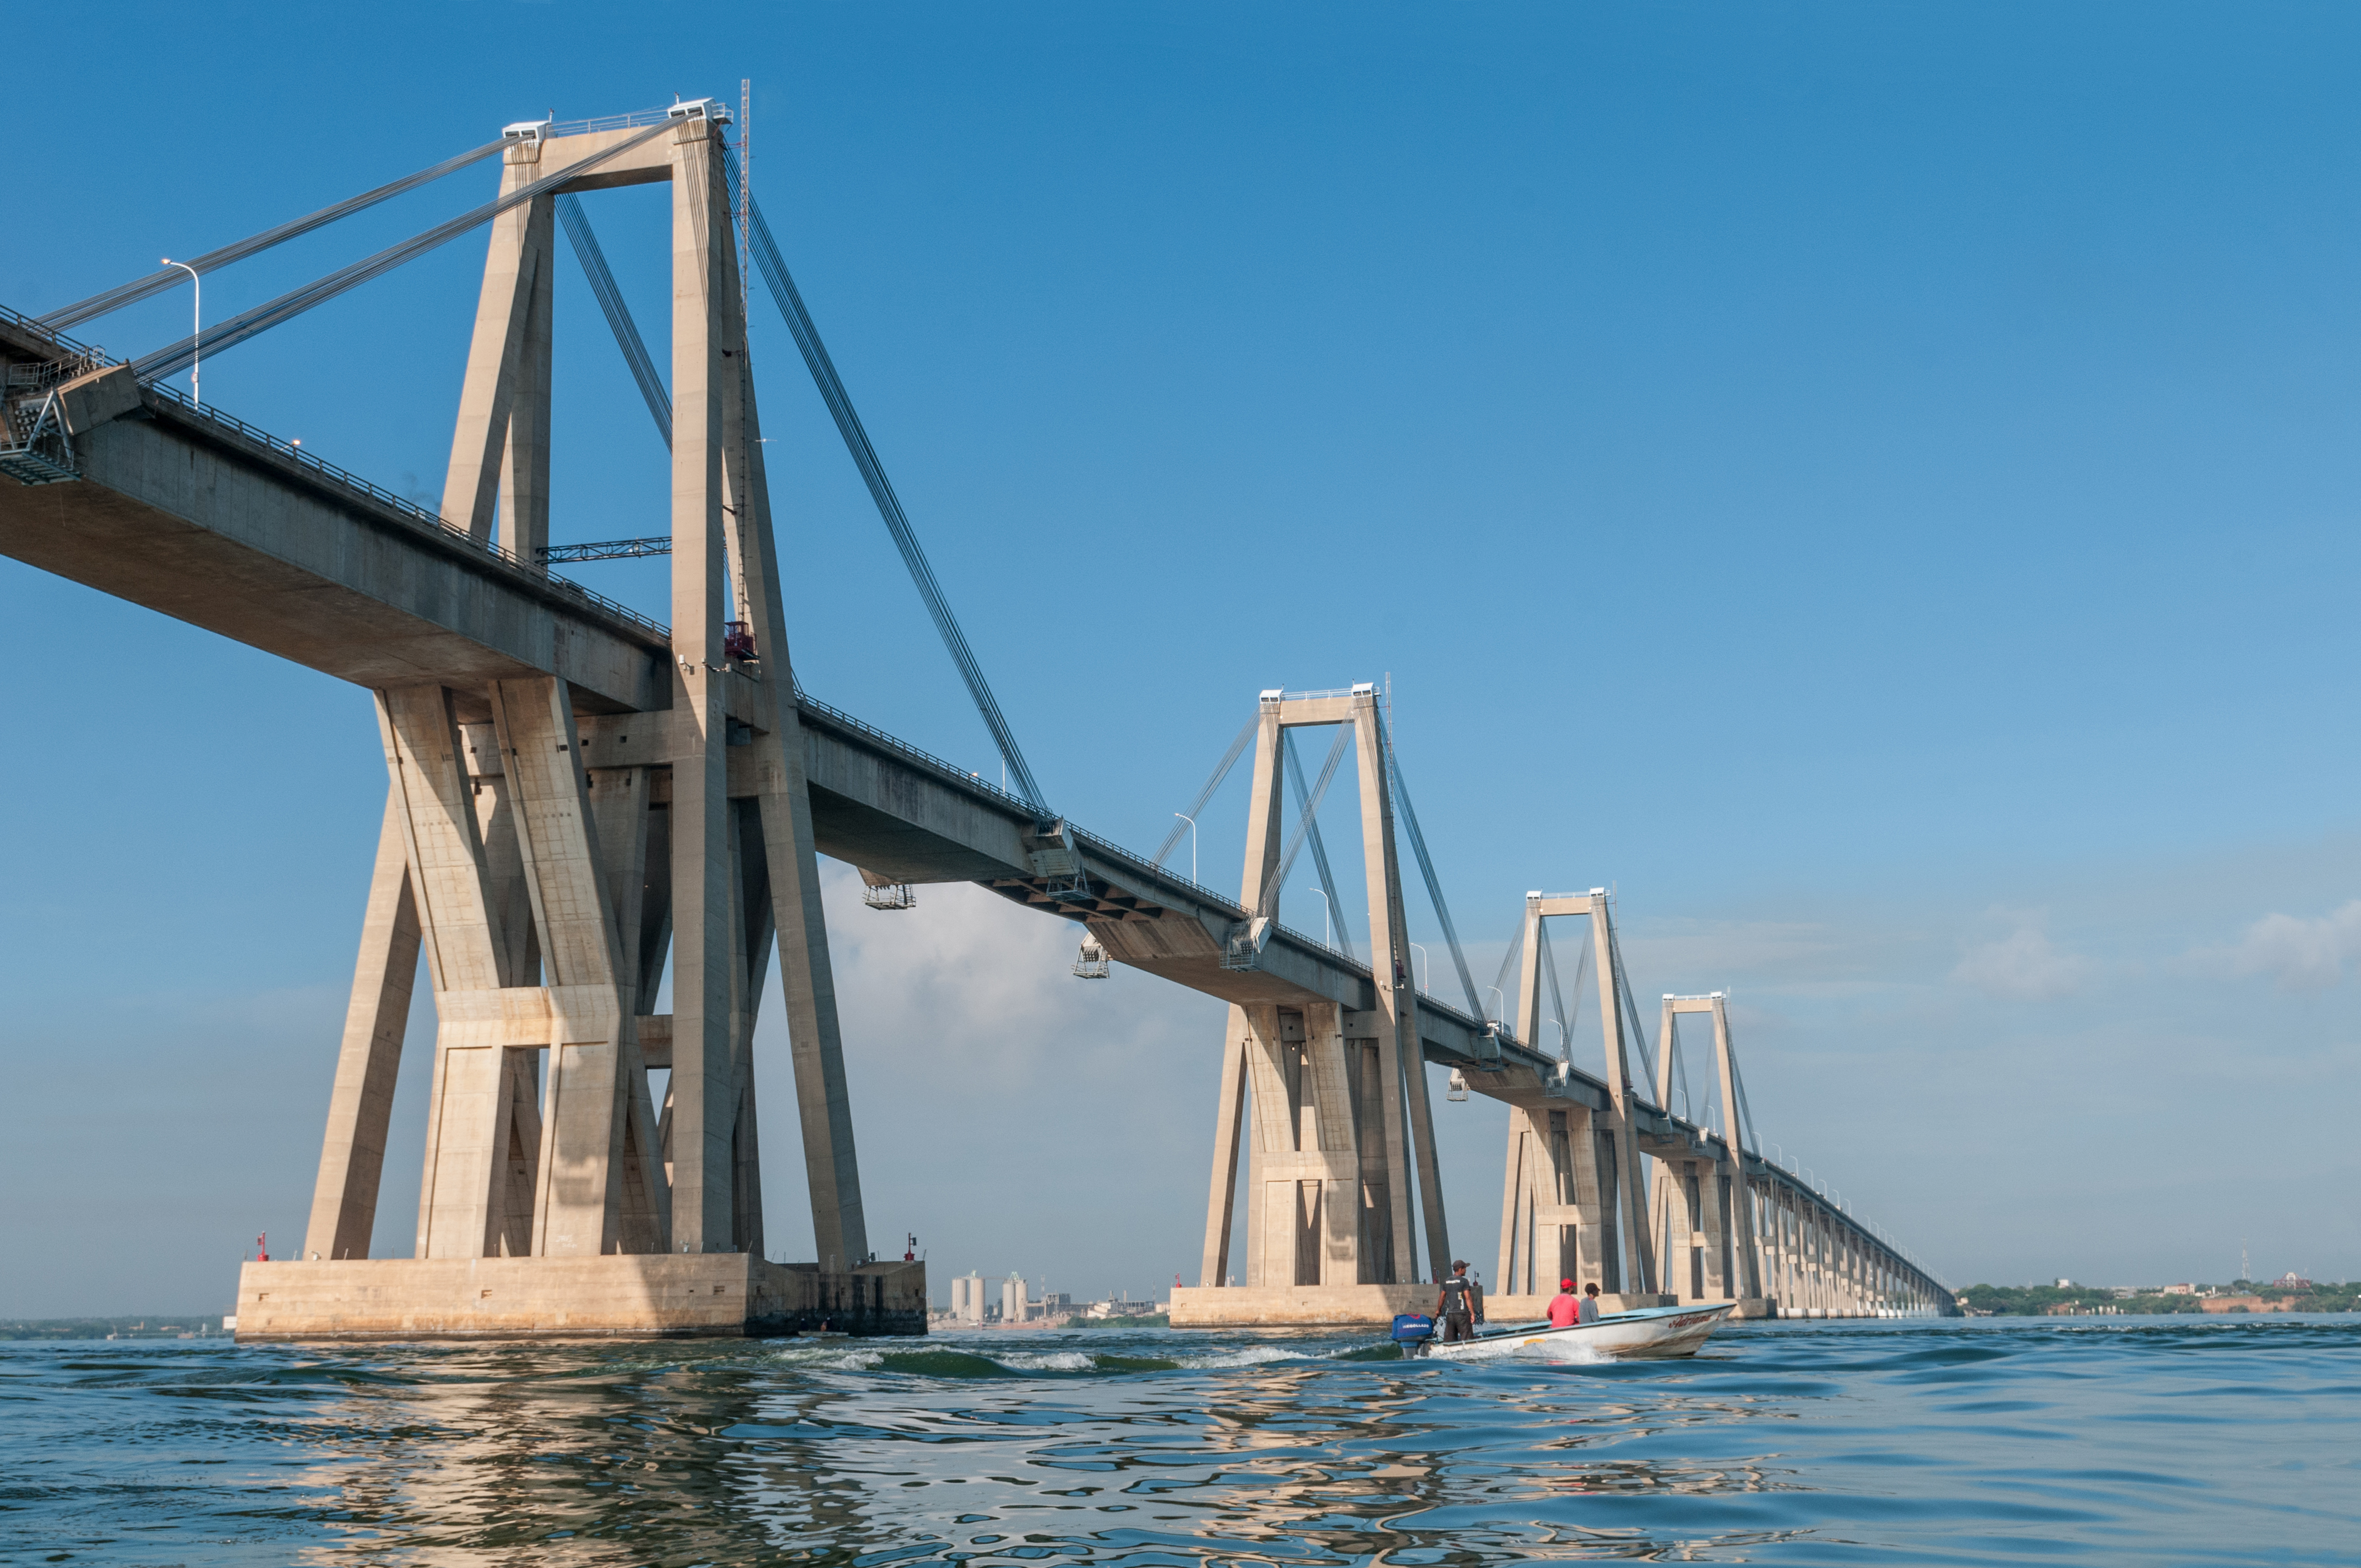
(2137, 1441)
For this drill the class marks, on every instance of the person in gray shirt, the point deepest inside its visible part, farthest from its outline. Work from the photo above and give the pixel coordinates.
(1461, 1305)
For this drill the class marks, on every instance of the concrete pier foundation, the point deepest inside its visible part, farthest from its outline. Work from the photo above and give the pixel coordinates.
(648, 1296)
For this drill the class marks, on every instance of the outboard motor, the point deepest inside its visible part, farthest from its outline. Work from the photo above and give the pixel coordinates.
(1412, 1332)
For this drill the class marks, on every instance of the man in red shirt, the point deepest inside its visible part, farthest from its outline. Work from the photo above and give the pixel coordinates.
(1566, 1307)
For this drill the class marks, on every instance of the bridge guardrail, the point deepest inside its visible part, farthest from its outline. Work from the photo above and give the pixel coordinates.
(964, 776)
(71, 348)
(412, 512)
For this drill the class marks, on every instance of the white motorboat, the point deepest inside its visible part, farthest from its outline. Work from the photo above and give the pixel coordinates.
(1646, 1331)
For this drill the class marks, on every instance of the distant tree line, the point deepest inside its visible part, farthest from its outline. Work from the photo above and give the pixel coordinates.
(2034, 1300)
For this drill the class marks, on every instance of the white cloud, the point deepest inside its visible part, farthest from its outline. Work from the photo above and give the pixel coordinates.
(2300, 954)
(2025, 966)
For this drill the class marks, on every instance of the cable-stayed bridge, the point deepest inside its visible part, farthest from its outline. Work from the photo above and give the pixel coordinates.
(580, 794)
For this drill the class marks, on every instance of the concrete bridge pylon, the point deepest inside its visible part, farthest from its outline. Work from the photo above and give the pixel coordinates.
(1705, 1208)
(1330, 1101)
(1575, 1193)
(543, 892)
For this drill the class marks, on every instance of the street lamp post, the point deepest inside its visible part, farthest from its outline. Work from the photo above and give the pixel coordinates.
(1424, 968)
(1192, 842)
(1325, 930)
(197, 327)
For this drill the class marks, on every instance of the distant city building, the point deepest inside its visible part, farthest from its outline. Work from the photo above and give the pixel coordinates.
(2180, 1289)
(2065, 1285)
(2292, 1280)
(977, 1301)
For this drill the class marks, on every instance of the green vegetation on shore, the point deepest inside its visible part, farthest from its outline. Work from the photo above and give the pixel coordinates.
(2034, 1300)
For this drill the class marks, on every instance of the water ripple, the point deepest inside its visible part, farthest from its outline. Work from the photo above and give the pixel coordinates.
(2136, 1442)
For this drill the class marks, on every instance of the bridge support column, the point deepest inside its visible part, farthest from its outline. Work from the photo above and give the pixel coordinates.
(1377, 1121)
(466, 1206)
(704, 1072)
(352, 1158)
(1610, 1184)
(1332, 1130)
(1337, 1101)
(1307, 1190)
(1548, 1212)
(605, 1190)
(1305, 1169)
(1720, 1227)
(1692, 1198)
(1516, 1207)
(1229, 1124)
(499, 454)
(791, 903)
(1397, 996)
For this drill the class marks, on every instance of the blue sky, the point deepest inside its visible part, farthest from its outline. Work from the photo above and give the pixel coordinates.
(1872, 484)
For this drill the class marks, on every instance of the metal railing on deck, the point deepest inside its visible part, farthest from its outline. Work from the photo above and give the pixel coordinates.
(93, 358)
(79, 358)
(967, 776)
(412, 511)
(631, 121)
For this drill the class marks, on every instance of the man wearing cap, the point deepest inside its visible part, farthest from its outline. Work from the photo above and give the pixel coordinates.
(1566, 1307)
(1461, 1305)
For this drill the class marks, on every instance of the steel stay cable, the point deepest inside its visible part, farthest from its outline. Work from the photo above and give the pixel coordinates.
(1319, 851)
(1508, 963)
(789, 300)
(175, 358)
(1558, 997)
(1681, 1071)
(1630, 1011)
(1221, 772)
(155, 283)
(1581, 973)
(577, 222)
(1426, 868)
(1268, 901)
(1745, 1110)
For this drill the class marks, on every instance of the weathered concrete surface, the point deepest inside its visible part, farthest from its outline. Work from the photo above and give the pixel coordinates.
(696, 1295)
(1301, 1306)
